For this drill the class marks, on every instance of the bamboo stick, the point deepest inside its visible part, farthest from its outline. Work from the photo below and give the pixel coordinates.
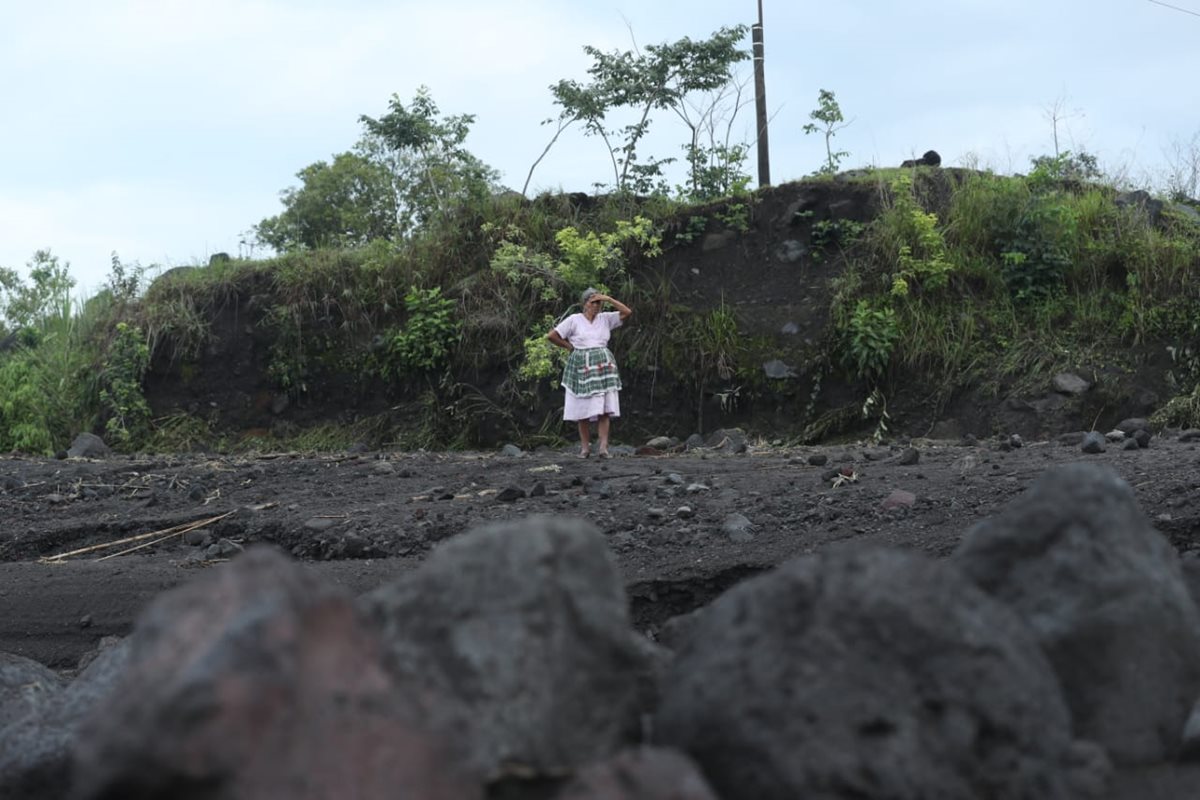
(165, 533)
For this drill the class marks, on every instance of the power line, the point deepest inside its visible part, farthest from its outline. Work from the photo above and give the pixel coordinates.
(1176, 8)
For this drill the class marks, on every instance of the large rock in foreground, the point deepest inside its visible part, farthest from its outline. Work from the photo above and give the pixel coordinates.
(35, 750)
(259, 681)
(1105, 596)
(881, 674)
(26, 687)
(527, 624)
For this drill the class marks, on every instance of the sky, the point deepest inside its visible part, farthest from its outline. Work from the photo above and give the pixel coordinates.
(162, 131)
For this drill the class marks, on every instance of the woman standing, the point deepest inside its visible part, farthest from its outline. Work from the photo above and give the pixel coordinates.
(590, 378)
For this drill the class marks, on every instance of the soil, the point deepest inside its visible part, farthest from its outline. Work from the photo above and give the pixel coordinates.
(361, 519)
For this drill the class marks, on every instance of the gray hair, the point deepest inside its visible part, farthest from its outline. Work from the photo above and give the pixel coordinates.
(587, 293)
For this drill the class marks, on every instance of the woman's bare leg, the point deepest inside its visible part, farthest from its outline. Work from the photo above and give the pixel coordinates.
(585, 436)
(602, 430)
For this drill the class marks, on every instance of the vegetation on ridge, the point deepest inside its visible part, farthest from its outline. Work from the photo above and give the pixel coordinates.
(407, 279)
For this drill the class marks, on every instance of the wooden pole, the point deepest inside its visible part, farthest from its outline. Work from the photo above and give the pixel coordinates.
(760, 101)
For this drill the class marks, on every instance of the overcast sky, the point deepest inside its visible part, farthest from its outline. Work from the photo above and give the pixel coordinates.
(163, 130)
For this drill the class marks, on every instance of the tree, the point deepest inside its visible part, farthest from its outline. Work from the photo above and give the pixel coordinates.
(409, 168)
(48, 292)
(431, 170)
(829, 114)
(660, 78)
(715, 161)
(344, 204)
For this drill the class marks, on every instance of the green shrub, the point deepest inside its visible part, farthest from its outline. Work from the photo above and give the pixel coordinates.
(909, 245)
(428, 336)
(121, 397)
(23, 423)
(869, 338)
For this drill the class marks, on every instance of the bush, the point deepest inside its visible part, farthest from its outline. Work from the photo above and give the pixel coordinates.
(121, 397)
(428, 336)
(871, 334)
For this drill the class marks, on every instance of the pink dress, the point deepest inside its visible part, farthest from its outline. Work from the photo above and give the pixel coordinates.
(584, 335)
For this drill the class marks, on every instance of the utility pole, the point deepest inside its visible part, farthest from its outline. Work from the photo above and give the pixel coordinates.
(760, 101)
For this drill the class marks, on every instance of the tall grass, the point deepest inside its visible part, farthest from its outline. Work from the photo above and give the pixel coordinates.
(49, 383)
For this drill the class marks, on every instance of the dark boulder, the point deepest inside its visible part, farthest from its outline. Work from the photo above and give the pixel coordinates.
(930, 159)
(26, 687)
(1105, 597)
(526, 623)
(876, 674)
(88, 445)
(35, 751)
(258, 680)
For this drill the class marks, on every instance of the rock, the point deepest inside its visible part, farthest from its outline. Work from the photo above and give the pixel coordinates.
(26, 687)
(512, 451)
(197, 539)
(527, 624)
(320, 523)
(882, 673)
(538, 490)
(88, 445)
(727, 440)
(1015, 441)
(258, 680)
(1130, 444)
(1134, 424)
(510, 494)
(1093, 442)
(693, 442)
(790, 251)
(648, 773)
(383, 468)
(35, 752)
(1141, 200)
(685, 512)
(674, 479)
(738, 528)
(899, 498)
(877, 454)
(777, 370)
(1104, 594)
(789, 329)
(909, 457)
(696, 488)
(1069, 383)
(662, 442)
(1189, 435)
(818, 459)
(223, 548)
(1142, 437)
(656, 514)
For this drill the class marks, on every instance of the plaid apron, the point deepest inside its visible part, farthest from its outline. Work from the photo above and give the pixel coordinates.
(591, 372)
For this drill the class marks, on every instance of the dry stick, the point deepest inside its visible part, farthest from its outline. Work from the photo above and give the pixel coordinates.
(143, 544)
(172, 531)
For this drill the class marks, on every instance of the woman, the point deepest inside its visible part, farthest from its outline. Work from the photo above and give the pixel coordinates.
(591, 379)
